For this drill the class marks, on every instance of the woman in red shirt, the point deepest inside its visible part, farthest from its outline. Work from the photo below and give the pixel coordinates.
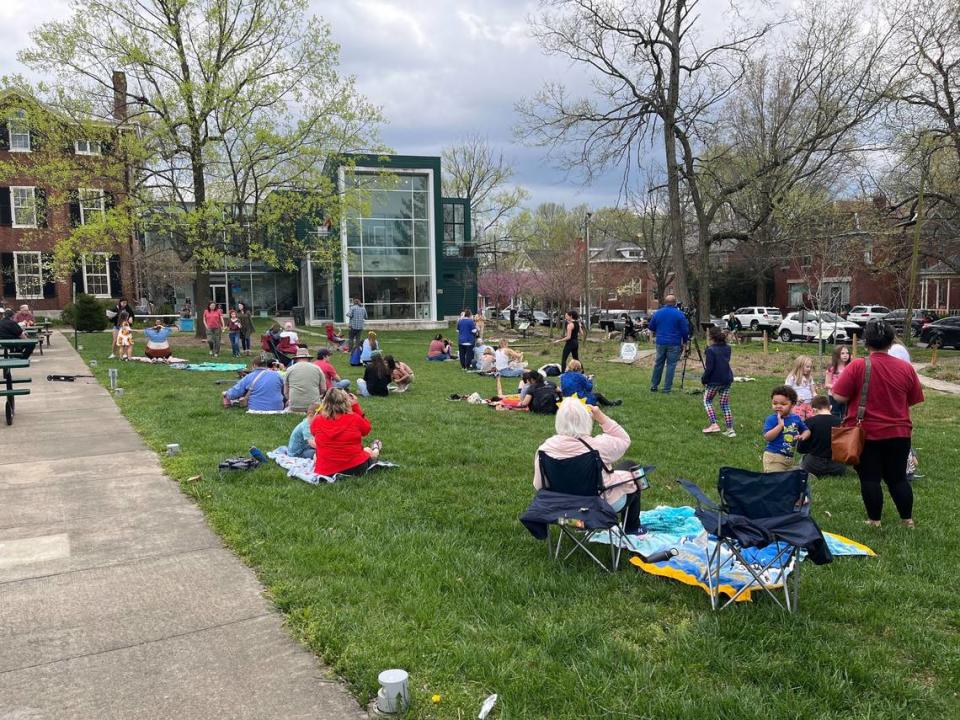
(338, 431)
(213, 322)
(892, 389)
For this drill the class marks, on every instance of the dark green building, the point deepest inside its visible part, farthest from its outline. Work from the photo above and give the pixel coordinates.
(407, 254)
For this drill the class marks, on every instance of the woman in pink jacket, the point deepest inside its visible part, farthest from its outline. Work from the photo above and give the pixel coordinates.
(574, 426)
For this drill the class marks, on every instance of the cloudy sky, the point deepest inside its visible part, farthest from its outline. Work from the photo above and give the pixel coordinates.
(440, 69)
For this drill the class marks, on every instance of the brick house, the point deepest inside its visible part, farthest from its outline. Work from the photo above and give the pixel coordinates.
(620, 277)
(31, 227)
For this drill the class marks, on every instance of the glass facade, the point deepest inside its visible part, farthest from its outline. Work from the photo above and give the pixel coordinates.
(388, 243)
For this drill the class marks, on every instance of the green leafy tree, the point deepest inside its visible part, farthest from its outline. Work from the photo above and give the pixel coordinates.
(237, 102)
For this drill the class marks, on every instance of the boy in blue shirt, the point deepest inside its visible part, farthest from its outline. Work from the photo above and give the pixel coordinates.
(782, 430)
(300, 443)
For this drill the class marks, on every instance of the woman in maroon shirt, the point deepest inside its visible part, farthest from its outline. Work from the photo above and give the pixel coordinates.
(338, 430)
(892, 389)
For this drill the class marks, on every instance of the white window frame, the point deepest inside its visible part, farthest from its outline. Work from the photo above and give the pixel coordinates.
(18, 118)
(90, 147)
(13, 205)
(16, 275)
(88, 273)
(83, 211)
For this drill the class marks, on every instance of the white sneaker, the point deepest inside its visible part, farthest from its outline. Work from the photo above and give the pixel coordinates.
(111, 356)
(730, 433)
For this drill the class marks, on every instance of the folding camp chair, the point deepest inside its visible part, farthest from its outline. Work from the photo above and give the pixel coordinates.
(572, 500)
(756, 510)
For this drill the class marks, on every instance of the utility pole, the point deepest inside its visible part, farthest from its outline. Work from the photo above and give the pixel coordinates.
(915, 256)
(586, 269)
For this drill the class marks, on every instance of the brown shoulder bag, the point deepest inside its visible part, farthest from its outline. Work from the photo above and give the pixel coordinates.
(846, 443)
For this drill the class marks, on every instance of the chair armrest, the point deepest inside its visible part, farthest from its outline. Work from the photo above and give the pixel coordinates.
(698, 494)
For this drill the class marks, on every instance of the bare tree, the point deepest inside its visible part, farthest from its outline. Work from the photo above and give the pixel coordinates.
(473, 169)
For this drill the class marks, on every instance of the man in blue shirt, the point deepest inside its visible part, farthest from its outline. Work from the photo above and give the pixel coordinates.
(356, 317)
(263, 389)
(672, 331)
(466, 337)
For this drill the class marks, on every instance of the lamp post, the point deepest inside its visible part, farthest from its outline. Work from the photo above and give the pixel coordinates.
(586, 268)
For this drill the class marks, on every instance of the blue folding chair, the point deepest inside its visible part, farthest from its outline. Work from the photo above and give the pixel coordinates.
(756, 510)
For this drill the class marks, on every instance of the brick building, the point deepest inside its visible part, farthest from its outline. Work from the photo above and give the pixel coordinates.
(31, 224)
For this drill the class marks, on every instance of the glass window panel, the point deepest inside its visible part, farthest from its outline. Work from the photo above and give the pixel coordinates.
(28, 275)
(19, 132)
(422, 259)
(96, 274)
(388, 289)
(387, 261)
(353, 260)
(91, 205)
(356, 287)
(458, 234)
(24, 206)
(391, 205)
(353, 233)
(422, 233)
(418, 182)
(263, 295)
(449, 236)
(423, 311)
(448, 213)
(458, 213)
(420, 205)
(423, 289)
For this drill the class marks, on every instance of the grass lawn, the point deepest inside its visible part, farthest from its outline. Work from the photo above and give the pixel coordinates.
(426, 566)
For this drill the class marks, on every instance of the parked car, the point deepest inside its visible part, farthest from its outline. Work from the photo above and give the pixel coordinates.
(540, 317)
(758, 317)
(921, 318)
(611, 319)
(861, 314)
(811, 325)
(942, 333)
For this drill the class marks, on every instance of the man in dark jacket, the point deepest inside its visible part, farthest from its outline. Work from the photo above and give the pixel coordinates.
(10, 329)
(672, 331)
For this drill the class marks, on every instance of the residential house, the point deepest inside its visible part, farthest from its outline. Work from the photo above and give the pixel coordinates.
(31, 227)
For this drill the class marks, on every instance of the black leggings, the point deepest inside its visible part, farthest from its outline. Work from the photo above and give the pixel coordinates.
(887, 460)
(569, 349)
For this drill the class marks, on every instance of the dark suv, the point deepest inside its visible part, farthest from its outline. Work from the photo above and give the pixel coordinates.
(921, 318)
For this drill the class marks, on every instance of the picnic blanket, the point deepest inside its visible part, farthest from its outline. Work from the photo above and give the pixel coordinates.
(677, 527)
(302, 468)
(151, 361)
(209, 366)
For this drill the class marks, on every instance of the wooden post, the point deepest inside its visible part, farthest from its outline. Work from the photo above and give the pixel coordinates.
(764, 342)
(853, 345)
(933, 358)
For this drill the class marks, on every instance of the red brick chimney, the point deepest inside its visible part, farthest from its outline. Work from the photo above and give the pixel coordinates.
(119, 96)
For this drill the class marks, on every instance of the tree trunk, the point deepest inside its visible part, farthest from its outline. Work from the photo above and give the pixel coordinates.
(680, 287)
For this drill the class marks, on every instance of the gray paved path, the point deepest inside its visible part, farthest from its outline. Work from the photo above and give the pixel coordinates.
(933, 383)
(116, 599)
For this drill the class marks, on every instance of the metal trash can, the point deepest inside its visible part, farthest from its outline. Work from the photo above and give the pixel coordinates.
(299, 315)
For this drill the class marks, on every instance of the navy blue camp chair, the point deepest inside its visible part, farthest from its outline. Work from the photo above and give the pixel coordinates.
(756, 510)
(572, 500)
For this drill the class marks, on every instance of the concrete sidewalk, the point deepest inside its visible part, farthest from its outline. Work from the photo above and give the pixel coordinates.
(934, 384)
(116, 599)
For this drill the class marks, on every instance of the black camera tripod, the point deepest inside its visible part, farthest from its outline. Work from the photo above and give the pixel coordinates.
(686, 355)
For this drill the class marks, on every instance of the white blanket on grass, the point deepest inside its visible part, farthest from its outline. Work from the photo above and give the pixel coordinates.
(302, 468)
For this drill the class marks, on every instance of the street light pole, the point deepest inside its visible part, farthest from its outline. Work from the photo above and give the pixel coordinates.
(586, 269)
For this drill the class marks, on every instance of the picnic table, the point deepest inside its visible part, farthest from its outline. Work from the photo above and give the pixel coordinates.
(37, 333)
(14, 348)
(7, 365)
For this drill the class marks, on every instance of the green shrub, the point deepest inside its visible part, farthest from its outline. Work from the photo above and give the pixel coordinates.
(86, 314)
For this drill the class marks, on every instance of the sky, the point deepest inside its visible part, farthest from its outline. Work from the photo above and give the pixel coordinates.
(440, 70)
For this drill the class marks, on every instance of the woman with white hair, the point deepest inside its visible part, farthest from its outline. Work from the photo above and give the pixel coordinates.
(574, 426)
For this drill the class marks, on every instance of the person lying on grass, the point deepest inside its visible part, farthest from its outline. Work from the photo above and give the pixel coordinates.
(536, 395)
(574, 428)
(574, 382)
(338, 430)
(400, 373)
(261, 387)
(301, 440)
